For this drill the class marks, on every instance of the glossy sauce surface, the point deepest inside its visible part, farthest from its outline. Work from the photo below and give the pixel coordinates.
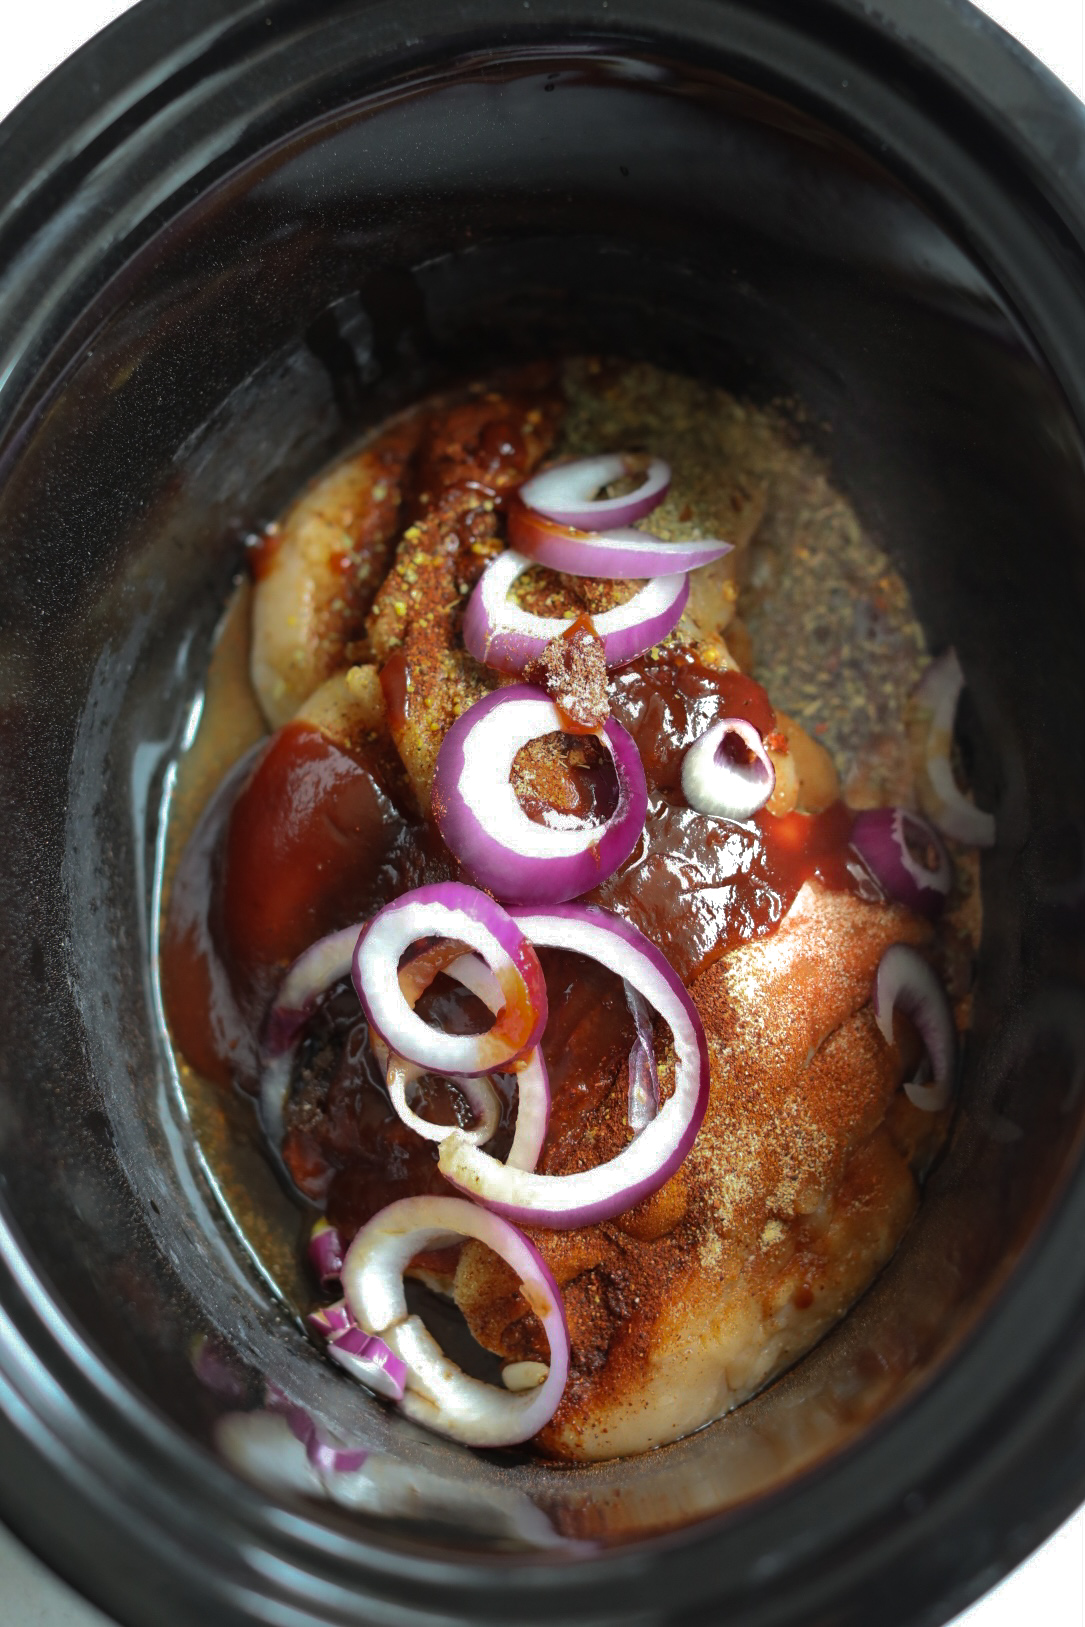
(695, 884)
(299, 842)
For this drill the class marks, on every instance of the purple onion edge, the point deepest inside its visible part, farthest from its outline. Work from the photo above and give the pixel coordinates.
(501, 925)
(567, 554)
(325, 1254)
(867, 832)
(619, 1203)
(510, 652)
(489, 861)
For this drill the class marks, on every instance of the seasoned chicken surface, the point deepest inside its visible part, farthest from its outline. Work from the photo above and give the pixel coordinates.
(317, 572)
(795, 1194)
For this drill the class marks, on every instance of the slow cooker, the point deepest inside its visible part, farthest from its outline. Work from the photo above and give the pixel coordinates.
(233, 234)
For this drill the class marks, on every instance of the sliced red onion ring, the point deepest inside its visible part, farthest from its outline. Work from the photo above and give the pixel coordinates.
(439, 1393)
(329, 1458)
(563, 1201)
(370, 1360)
(941, 797)
(478, 1091)
(503, 636)
(327, 1455)
(399, 1074)
(643, 1073)
(882, 837)
(620, 554)
(316, 971)
(567, 492)
(332, 1319)
(727, 772)
(866, 882)
(532, 1080)
(311, 976)
(462, 914)
(906, 983)
(325, 1252)
(481, 820)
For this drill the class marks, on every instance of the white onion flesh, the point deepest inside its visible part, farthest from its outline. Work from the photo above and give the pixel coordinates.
(532, 1084)
(439, 1393)
(714, 783)
(905, 982)
(641, 1168)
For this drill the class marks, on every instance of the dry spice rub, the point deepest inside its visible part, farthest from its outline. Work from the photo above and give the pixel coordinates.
(724, 957)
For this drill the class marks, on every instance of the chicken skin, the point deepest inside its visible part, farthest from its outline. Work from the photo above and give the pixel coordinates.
(795, 1194)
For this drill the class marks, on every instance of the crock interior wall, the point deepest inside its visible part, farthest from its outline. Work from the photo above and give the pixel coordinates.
(550, 203)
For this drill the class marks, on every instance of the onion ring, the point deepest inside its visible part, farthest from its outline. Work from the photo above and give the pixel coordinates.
(317, 970)
(480, 1095)
(881, 837)
(326, 1455)
(905, 982)
(481, 820)
(501, 635)
(325, 1252)
(464, 915)
(940, 797)
(440, 1394)
(566, 492)
(618, 555)
(332, 1319)
(642, 1167)
(727, 772)
(370, 1360)
(532, 1080)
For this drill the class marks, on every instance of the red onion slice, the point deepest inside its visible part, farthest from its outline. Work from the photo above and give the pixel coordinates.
(941, 797)
(327, 1455)
(439, 1393)
(532, 1080)
(503, 636)
(370, 1360)
(480, 817)
(727, 772)
(479, 1093)
(322, 965)
(564, 1201)
(325, 1252)
(621, 554)
(311, 976)
(332, 1319)
(643, 1073)
(881, 835)
(905, 982)
(567, 492)
(463, 915)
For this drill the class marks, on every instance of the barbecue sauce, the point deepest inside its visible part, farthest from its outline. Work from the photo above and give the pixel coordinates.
(299, 843)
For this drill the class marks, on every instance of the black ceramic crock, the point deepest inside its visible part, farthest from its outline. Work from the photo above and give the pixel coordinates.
(232, 234)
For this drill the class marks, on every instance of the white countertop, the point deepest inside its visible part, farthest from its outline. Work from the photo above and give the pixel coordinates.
(1049, 1588)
